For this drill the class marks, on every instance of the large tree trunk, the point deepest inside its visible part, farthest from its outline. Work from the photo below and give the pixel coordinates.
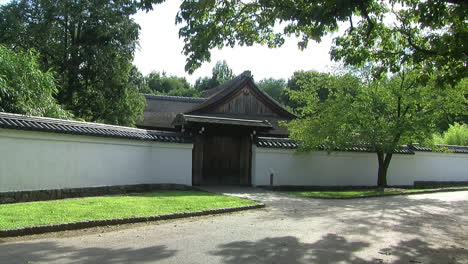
(384, 162)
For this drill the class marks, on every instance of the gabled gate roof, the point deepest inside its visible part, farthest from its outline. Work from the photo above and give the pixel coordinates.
(225, 91)
(162, 110)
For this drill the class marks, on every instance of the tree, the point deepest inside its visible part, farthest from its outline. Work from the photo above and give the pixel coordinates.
(221, 73)
(136, 78)
(274, 88)
(24, 88)
(456, 134)
(205, 83)
(429, 34)
(324, 83)
(169, 85)
(89, 44)
(380, 114)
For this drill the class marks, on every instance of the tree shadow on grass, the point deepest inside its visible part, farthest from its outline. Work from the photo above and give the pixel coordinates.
(331, 248)
(51, 252)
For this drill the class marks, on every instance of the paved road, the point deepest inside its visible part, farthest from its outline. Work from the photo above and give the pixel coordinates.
(426, 228)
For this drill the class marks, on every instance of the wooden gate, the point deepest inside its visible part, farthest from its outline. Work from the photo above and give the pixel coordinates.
(221, 160)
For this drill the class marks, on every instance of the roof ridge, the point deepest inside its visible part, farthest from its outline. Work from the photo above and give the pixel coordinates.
(47, 124)
(67, 122)
(219, 88)
(230, 87)
(227, 118)
(174, 98)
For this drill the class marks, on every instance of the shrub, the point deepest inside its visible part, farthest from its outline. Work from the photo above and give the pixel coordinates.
(456, 134)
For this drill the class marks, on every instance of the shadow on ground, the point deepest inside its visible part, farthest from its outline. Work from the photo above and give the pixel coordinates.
(330, 249)
(49, 252)
(333, 248)
(404, 214)
(418, 251)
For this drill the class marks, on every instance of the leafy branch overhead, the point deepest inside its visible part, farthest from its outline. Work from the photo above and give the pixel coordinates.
(428, 34)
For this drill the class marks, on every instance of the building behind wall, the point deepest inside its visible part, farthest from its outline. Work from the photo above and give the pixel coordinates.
(230, 136)
(223, 125)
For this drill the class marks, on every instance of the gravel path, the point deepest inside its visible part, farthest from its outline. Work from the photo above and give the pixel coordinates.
(425, 228)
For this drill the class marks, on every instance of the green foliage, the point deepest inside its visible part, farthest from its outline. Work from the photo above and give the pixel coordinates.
(137, 79)
(185, 92)
(90, 46)
(429, 34)
(220, 73)
(205, 83)
(385, 113)
(365, 193)
(157, 83)
(457, 134)
(320, 84)
(460, 117)
(24, 88)
(274, 88)
(160, 83)
(382, 114)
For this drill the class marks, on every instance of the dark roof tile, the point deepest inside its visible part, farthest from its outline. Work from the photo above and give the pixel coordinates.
(161, 110)
(452, 148)
(287, 143)
(183, 119)
(174, 98)
(23, 122)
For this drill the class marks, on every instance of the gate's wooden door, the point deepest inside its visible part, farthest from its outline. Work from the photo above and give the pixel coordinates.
(221, 160)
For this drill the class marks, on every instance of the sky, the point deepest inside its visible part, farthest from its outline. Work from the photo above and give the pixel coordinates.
(161, 50)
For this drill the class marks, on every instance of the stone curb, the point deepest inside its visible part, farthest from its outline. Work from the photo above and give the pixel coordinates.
(118, 221)
(382, 195)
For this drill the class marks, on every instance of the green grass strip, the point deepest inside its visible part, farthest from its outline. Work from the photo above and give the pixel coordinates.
(109, 207)
(363, 192)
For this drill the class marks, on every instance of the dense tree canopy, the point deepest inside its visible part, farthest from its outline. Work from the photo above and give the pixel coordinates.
(381, 114)
(89, 44)
(428, 34)
(274, 88)
(221, 73)
(456, 134)
(157, 83)
(323, 83)
(24, 88)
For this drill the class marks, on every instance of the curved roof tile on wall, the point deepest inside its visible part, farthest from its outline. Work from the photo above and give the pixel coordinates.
(450, 148)
(23, 122)
(287, 143)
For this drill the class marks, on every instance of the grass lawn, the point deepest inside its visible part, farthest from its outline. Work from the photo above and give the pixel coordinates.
(361, 193)
(108, 207)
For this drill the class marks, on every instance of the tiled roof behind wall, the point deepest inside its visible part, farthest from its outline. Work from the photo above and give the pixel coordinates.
(450, 148)
(161, 110)
(175, 98)
(22, 122)
(287, 143)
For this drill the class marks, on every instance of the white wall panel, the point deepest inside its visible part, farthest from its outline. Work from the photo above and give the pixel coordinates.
(353, 168)
(39, 160)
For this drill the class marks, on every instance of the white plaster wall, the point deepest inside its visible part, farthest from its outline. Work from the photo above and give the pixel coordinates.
(32, 160)
(427, 166)
(353, 168)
